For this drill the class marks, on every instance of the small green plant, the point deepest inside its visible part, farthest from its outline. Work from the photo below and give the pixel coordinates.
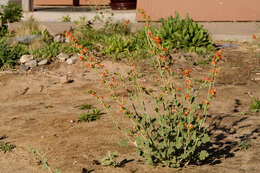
(48, 52)
(9, 14)
(10, 53)
(109, 159)
(255, 106)
(184, 34)
(48, 106)
(85, 107)
(66, 18)
(244, 144)
(43, 160)
(88, 117)
(6, 147)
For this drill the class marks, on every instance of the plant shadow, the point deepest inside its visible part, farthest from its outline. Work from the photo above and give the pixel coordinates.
(222, 145)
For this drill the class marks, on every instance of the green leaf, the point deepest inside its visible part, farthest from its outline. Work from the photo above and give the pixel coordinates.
(203, 155)
(205, 139)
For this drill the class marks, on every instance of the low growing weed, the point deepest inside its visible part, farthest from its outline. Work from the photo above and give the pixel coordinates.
(6, 147)
(90, 116)
(43, 161)
(255, 106)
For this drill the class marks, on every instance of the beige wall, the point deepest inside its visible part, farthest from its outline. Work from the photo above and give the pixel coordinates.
(203, 10)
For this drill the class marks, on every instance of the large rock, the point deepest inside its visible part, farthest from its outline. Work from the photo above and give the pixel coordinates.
(62, 57)
(31, 64)
(72, 60)
(26, 58)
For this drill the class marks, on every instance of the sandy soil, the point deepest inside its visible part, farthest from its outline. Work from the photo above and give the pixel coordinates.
(39, 110)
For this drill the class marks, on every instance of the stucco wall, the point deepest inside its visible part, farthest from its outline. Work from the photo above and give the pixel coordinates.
(203, 10)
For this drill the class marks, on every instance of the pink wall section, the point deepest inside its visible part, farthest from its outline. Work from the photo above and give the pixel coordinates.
(203, 10)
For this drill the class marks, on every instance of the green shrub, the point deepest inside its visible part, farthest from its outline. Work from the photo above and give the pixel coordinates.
(184, 34)
(9, 14)
(10, 53)
(47, 52)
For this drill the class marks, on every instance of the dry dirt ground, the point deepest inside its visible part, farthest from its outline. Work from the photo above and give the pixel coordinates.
(39, 110)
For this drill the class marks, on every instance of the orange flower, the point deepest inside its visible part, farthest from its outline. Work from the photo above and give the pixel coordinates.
(101, 66)
(90, 58)
(134, 65)
(191, 126)
(213, 62)
(187, 97)
(212, 91)
(150, 33)
(253, 36)
(188, 82)
(89, 65)
(85, 49)
(101, 97)
(104, 74)
(153, 51)
(179, 89)
(81, 57)
(187, 72)
(185, 124)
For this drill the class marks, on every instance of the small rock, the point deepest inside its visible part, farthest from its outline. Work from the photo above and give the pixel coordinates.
(28, 38)
(63, 57)
(72, 60)
(26, 58)
(59, 39)
(31, 64)
(43, 62)
(23, 67)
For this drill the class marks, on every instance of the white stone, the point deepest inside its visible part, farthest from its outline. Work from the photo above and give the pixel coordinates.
(26, 58)
(31, 64)
(63, 57)
(43, 62)
(59, 38)
(72, 60)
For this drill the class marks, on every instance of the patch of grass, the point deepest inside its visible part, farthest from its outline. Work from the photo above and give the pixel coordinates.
(43, 160)
(66, 18)
(244, 144)
(88, 117)
(255, 106)
(85, 107)
(6, 147)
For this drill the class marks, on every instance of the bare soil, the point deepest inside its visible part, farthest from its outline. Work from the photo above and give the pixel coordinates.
(39, 110)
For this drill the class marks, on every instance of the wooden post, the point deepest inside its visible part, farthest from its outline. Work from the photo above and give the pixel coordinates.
(27, 5)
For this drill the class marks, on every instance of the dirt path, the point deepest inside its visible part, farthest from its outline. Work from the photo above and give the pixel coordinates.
(39, 110)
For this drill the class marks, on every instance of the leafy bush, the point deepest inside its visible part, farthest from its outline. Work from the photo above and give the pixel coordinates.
(9, 14)
(184, 34)
(10, 53)
(47, 52)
